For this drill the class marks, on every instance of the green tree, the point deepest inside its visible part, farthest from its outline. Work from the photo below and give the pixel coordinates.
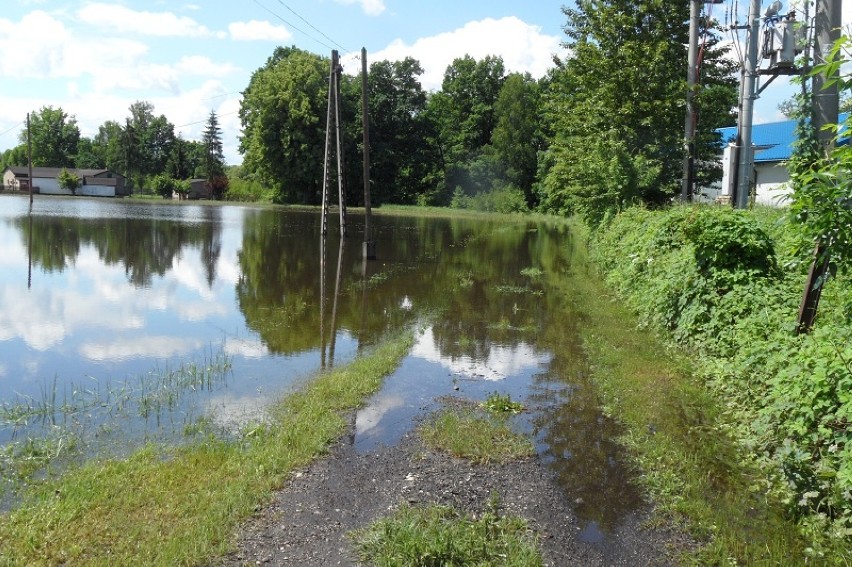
(164, 185)
(403, 145)
(68, 180)
(517, 137)
(464, 114)
(617, 103)
(108, 146)
(55, 136)
(214, 158)
(88, 155)
(13, 157)
(152, 137)
(282, 113)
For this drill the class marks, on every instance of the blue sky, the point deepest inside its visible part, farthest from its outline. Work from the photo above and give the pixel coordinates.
(95, 58)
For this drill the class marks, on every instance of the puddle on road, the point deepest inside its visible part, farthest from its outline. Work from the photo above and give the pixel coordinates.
(572, 436)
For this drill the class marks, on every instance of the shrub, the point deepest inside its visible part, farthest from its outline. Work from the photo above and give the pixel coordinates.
(711, 277)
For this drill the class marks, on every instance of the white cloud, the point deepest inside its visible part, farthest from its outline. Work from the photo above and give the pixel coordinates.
(370, 7)
(120, 19)
(256, 30)
(523, 47)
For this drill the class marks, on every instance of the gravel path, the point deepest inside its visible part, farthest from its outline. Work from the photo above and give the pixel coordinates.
(308, 520)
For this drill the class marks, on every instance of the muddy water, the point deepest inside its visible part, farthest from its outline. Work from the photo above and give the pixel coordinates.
(105, 304)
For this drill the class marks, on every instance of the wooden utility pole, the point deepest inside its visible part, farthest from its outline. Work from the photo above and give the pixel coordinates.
(369, 248)
(333, 128)
(30, 159)
(826, 105)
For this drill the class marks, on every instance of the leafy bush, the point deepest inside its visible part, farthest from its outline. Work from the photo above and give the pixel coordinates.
(248, 191)
(711, 278)
(501, 199)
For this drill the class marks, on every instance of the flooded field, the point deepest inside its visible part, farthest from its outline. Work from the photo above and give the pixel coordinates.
(123, 322)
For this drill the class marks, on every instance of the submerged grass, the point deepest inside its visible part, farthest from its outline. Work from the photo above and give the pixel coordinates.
(179, 506)
(475, 435)
(440, 535)
(690, 466)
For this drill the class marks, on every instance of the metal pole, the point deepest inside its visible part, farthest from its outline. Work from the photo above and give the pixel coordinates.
(746, 153)
(826, 102)
(369, 249)
(688, 183)
(826, 105)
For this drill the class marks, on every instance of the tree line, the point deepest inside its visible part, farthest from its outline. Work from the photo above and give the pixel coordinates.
(603, 128)
(144, 149)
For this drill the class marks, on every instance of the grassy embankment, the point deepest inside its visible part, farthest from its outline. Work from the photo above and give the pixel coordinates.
(748, 438)
(180, 506)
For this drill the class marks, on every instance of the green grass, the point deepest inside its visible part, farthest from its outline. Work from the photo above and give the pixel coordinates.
(180, 506)
(440, 535)
(692, 469)
(501, 404)
(467, 433)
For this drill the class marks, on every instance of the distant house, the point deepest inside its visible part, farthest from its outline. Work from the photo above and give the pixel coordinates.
(93, 182)
(773, 146)
(199, 189)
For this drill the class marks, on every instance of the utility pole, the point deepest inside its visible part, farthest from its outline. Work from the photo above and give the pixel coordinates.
(30, 159)
(826, 105)
(369, 248)
(688, 183)
(333, 128)
(745, 152)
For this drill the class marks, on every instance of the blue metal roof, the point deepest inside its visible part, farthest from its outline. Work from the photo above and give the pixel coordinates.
(773, 141)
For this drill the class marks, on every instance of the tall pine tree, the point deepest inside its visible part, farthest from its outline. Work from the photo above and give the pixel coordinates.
(214, 157)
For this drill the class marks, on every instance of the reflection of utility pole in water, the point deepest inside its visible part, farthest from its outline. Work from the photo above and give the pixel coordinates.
(333, 338)
(322, 302)
(30, 251)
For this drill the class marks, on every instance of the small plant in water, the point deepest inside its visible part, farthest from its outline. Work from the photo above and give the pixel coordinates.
(497, 404)
(532, 273)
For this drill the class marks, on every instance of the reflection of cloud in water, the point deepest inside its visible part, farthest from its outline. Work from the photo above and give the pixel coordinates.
(245, 347)
(233, 412)
(369, 417)
(138, 347)
(200, 311)
(500, 362)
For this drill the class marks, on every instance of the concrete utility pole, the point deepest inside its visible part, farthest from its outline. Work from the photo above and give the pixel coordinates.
(745, 152)
(688, 183)
(826, 107)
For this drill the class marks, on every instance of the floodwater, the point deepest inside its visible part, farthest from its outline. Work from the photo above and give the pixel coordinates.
(127, 322)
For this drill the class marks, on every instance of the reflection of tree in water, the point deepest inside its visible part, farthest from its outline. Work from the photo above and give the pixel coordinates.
(145, 247)
(451, 268)
(578, 440)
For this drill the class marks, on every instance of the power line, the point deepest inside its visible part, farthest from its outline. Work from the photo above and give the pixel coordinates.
(12, 128)
(303, 32)
(312, 26)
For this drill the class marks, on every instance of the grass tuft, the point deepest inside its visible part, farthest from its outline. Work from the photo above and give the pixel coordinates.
(482, 438)
(440, 535)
